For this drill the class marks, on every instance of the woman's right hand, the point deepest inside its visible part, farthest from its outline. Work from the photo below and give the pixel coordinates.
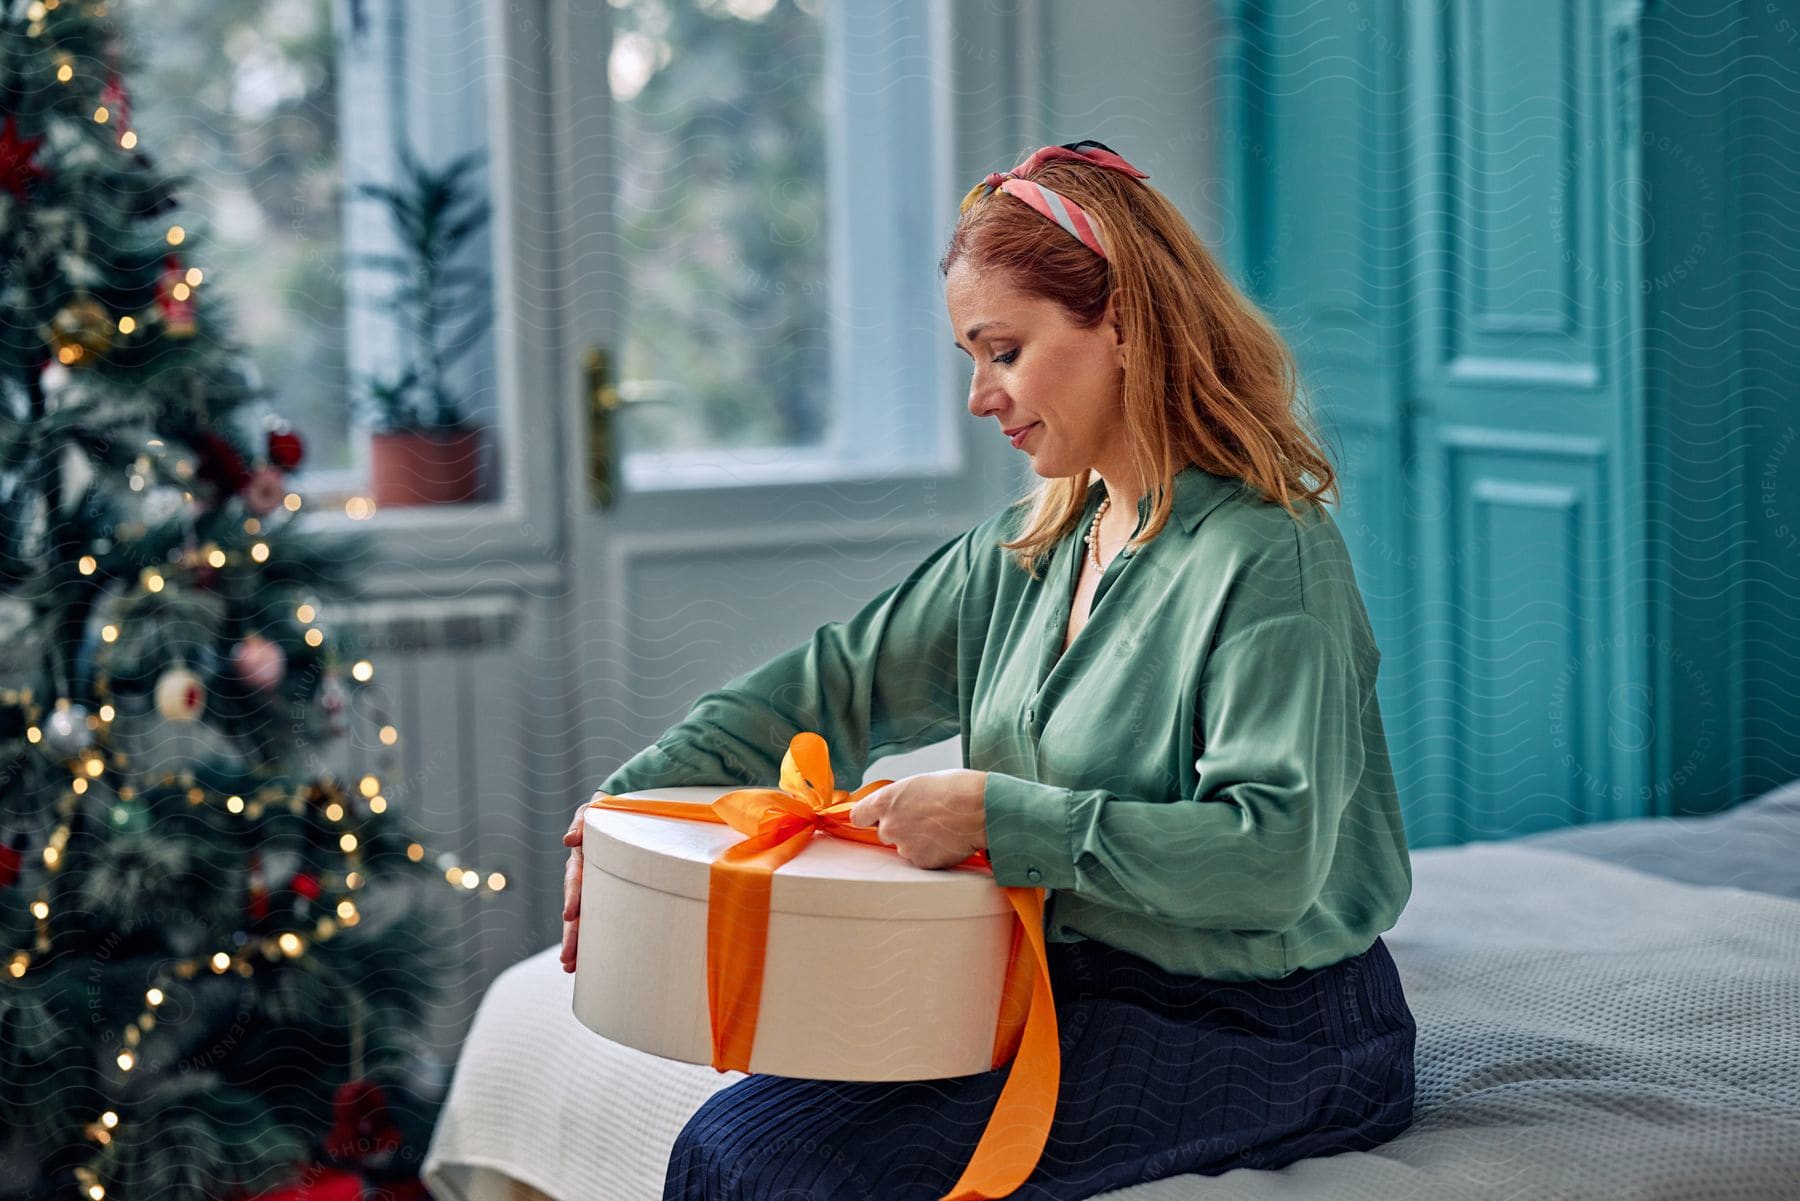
(572, 888)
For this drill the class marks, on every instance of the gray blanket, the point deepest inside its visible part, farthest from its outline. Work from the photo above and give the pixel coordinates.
(1754, 846)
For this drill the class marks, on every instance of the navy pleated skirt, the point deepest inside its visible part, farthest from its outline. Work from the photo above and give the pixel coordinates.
(1162, 1075)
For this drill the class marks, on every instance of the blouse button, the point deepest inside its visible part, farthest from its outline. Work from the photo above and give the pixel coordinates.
(1033, 874)
(1030, 714)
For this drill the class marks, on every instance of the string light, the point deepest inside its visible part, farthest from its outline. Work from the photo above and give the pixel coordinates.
(284, 945)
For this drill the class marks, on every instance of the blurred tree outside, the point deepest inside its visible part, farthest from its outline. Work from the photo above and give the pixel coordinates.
(242, 97)
(722, 215)
(721, 205)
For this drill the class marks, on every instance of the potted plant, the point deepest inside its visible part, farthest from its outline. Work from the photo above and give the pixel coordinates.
(424, 449)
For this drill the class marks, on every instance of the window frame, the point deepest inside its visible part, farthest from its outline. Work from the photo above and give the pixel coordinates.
(526, 520)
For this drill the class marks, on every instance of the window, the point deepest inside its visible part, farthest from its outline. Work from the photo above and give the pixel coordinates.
(777, 193)
(776, 187)
(241, 98)
(278, 111)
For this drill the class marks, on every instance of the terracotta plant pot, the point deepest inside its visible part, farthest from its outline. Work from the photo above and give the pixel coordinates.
(417, 467)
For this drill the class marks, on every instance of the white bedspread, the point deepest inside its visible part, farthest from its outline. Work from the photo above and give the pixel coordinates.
(1585, 1031)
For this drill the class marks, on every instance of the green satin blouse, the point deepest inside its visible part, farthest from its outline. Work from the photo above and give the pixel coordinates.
(1202, 779)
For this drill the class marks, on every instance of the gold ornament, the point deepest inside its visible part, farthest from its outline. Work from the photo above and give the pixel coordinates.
(83, 328)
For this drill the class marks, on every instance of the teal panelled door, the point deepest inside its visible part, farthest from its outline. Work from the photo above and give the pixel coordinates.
(1441, 205)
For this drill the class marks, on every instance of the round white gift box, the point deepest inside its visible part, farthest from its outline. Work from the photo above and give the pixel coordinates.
(874, 969)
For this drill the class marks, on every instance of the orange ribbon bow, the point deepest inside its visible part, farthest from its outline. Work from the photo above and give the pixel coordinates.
(778, 825)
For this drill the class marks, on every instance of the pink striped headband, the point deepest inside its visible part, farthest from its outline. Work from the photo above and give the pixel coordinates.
(1055, 206)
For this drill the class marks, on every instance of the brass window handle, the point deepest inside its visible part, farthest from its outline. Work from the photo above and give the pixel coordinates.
(603, 402)
(605, 399)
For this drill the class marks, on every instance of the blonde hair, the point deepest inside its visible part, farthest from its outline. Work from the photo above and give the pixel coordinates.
(1208, 380)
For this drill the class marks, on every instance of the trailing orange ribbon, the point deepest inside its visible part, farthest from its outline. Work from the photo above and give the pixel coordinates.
(777, 825)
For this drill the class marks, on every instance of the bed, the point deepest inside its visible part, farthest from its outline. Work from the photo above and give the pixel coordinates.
(1605, 1011)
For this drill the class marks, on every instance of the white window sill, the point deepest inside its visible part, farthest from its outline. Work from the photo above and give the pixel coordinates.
(694, 472)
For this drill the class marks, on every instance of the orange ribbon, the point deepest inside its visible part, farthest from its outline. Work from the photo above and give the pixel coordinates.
(777, 825)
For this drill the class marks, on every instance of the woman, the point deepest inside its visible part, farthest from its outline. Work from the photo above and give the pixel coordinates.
(1164, 679)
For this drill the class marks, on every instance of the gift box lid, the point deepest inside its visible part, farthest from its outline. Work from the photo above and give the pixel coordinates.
(832, 876)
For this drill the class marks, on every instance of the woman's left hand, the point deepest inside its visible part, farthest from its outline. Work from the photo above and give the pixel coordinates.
(935, 819)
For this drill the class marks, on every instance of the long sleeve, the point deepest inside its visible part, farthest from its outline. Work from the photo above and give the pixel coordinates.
(1282, 753)
(883, 682)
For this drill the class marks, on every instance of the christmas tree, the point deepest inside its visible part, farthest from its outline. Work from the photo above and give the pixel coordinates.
(215, 956)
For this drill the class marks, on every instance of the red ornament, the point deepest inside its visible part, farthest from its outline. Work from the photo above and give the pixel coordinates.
(363, 1130)
(17, 171)
(118, 107)
(285, 448)
(10, 858)
(177, 314)
(220, 463)
(318, 1183)
(307, 886)
(258, 908)
(264, 493)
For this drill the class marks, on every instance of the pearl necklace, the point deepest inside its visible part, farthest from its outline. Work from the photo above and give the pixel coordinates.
(1093, 535)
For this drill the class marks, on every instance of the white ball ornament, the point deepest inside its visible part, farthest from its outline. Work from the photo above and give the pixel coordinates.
(66, 730)
(180, 695)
